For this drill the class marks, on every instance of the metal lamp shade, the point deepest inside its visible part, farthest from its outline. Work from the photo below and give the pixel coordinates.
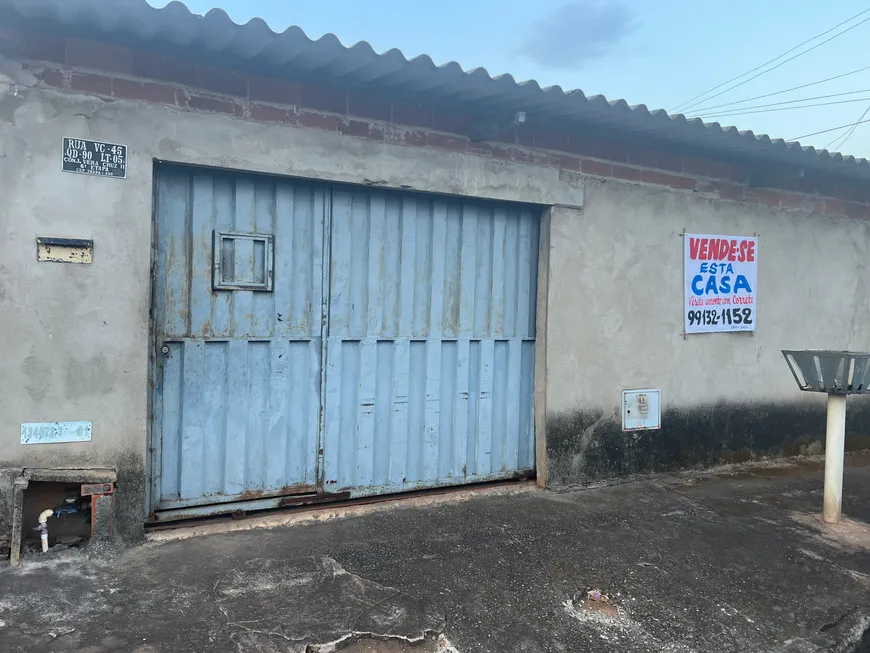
(833, 372)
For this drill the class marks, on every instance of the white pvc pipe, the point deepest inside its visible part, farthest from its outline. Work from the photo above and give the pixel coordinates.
(43, 523)
(835, 440)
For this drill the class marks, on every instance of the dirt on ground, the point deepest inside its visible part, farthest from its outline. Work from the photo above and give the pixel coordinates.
(732, 561)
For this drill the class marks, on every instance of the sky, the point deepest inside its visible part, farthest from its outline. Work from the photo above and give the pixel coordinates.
(661, 53)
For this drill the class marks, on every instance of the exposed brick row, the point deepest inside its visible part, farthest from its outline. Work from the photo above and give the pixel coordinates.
(700, 181)
(117, 72)
(161, 68)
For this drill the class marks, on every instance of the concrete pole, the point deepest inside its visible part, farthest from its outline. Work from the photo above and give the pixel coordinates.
(835, 440)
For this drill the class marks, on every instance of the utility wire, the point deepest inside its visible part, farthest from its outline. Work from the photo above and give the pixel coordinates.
(842, 137)
(781, 63)
(805, 106)
(793, 88)
(827, 131)
(849, 133)
(684, 107)
(736, 111)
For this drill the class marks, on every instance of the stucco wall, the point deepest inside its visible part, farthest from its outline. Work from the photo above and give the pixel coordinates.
(615, 322)
(75, 337)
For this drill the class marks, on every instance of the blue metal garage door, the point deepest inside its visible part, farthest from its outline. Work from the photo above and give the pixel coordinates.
(430, 353)
(426, 310)
(238, 294)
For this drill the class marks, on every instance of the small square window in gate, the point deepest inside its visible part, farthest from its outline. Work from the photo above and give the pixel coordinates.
(243, 261)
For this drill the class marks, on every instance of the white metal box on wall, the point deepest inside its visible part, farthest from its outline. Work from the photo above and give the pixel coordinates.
(641, 410)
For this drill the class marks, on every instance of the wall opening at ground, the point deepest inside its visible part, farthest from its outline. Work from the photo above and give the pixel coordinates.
(70, 522)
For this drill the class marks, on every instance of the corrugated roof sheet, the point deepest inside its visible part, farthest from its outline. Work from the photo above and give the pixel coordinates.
(216, 34)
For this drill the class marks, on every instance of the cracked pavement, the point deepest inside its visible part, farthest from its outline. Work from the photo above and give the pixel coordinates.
(76, 603)
(735, 560)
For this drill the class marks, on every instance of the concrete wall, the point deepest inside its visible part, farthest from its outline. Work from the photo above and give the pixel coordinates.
(75, 340)
(76, 337)
(615, 322)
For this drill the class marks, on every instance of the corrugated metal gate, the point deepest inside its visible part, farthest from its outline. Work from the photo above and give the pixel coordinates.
(430, 353)
(236, 405)
(428, 324)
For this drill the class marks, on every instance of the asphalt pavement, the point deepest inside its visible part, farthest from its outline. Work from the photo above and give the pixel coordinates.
(733, 560)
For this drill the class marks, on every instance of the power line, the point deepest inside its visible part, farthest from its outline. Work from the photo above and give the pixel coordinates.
(684, 107)
(827, 131)
(738, 110)
(805, 106)
(842, 137)
(845, 138)
(793, 88)
(781, 63)
(749, 72)
(850, 132)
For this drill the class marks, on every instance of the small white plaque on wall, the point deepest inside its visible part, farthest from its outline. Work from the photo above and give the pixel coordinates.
(55, 432)
(641, 410)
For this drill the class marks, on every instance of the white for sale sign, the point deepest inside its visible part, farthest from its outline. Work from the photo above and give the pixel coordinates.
(721, 275)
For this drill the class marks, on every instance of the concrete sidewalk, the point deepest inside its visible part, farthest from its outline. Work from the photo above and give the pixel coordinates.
(729, 561)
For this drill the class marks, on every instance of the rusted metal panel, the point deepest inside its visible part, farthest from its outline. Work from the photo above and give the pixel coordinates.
(65, 250)
(94, 489)
(242, 507)
(237, 397)
(430, 351)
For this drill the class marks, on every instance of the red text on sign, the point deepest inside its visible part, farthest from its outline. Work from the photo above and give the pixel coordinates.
(721, 249)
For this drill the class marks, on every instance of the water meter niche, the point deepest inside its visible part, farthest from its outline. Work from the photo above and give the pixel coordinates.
(59, 510)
